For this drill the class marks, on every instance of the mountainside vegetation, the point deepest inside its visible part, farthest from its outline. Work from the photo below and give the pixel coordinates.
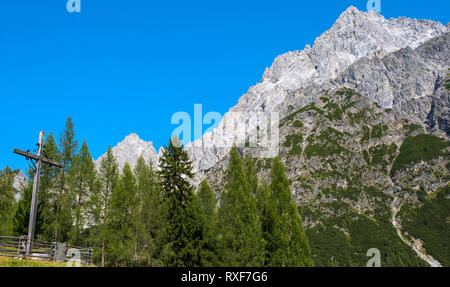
(351, 164)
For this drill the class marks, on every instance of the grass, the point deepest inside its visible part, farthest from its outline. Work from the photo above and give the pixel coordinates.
(12, 262)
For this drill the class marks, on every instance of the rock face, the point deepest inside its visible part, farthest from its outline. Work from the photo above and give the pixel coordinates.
(353, 49)
(367, 148)
(20, 181)
(355, 35)
(129, 150)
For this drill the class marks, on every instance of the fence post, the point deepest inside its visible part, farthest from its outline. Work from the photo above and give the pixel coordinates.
(53, 251)
(90, 256)
(21, 246)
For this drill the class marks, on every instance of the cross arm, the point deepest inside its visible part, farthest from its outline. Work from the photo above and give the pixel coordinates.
(35, 157)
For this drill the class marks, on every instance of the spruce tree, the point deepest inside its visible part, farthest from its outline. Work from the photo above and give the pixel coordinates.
(241, 241)
(206, 201)
(22, 216)
(121, 221)
(7, 201)
(183, 233)
(287, 242)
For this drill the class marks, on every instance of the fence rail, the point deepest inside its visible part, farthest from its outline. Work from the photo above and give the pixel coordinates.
(15, 247)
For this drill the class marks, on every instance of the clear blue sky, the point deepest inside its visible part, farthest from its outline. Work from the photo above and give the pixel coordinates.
(126, 66)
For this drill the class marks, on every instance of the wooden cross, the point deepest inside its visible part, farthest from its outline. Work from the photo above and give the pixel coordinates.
(39, 158)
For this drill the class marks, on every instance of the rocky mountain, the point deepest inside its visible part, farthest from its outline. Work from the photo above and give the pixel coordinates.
(355, 35)
(367, 153)
(20, 181)
(129, 150)
(364, 135)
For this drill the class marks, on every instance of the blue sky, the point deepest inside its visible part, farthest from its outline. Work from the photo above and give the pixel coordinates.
(127, 66)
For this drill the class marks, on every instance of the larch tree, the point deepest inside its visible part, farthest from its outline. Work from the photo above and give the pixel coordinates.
(241, 241)
(99, 204)
(287, 242)
(207, 202)
(148, 212)
(121, 221)
(68, 147)
(82, 181)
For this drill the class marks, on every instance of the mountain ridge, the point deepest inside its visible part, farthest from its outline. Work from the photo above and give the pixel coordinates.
(354, 36)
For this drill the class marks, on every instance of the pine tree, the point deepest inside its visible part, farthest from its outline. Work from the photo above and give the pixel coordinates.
(7, 201)
(82, 181)
(206, 202)
(22, 216)
(242, 244)
(183, 233)
(121, 221)
(287, 242)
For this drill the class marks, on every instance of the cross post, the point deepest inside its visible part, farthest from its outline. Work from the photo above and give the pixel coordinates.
(39, 158)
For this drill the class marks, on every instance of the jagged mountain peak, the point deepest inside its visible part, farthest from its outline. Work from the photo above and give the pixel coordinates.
(351, 11)
(354, 36)
(130, 149)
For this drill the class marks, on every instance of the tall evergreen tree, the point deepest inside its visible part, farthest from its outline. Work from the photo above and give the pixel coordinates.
(206, 201)
(148, 215)
(82, 181)
(22, 216)
(7, 201)
(121, 221)
(251, 175)
(242, 244)
(183, 229)
(266, 211)
(48, 193)
(287, 242)
(68, 147)
(99, 203)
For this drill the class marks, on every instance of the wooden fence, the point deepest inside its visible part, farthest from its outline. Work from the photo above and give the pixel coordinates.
(55, 251)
